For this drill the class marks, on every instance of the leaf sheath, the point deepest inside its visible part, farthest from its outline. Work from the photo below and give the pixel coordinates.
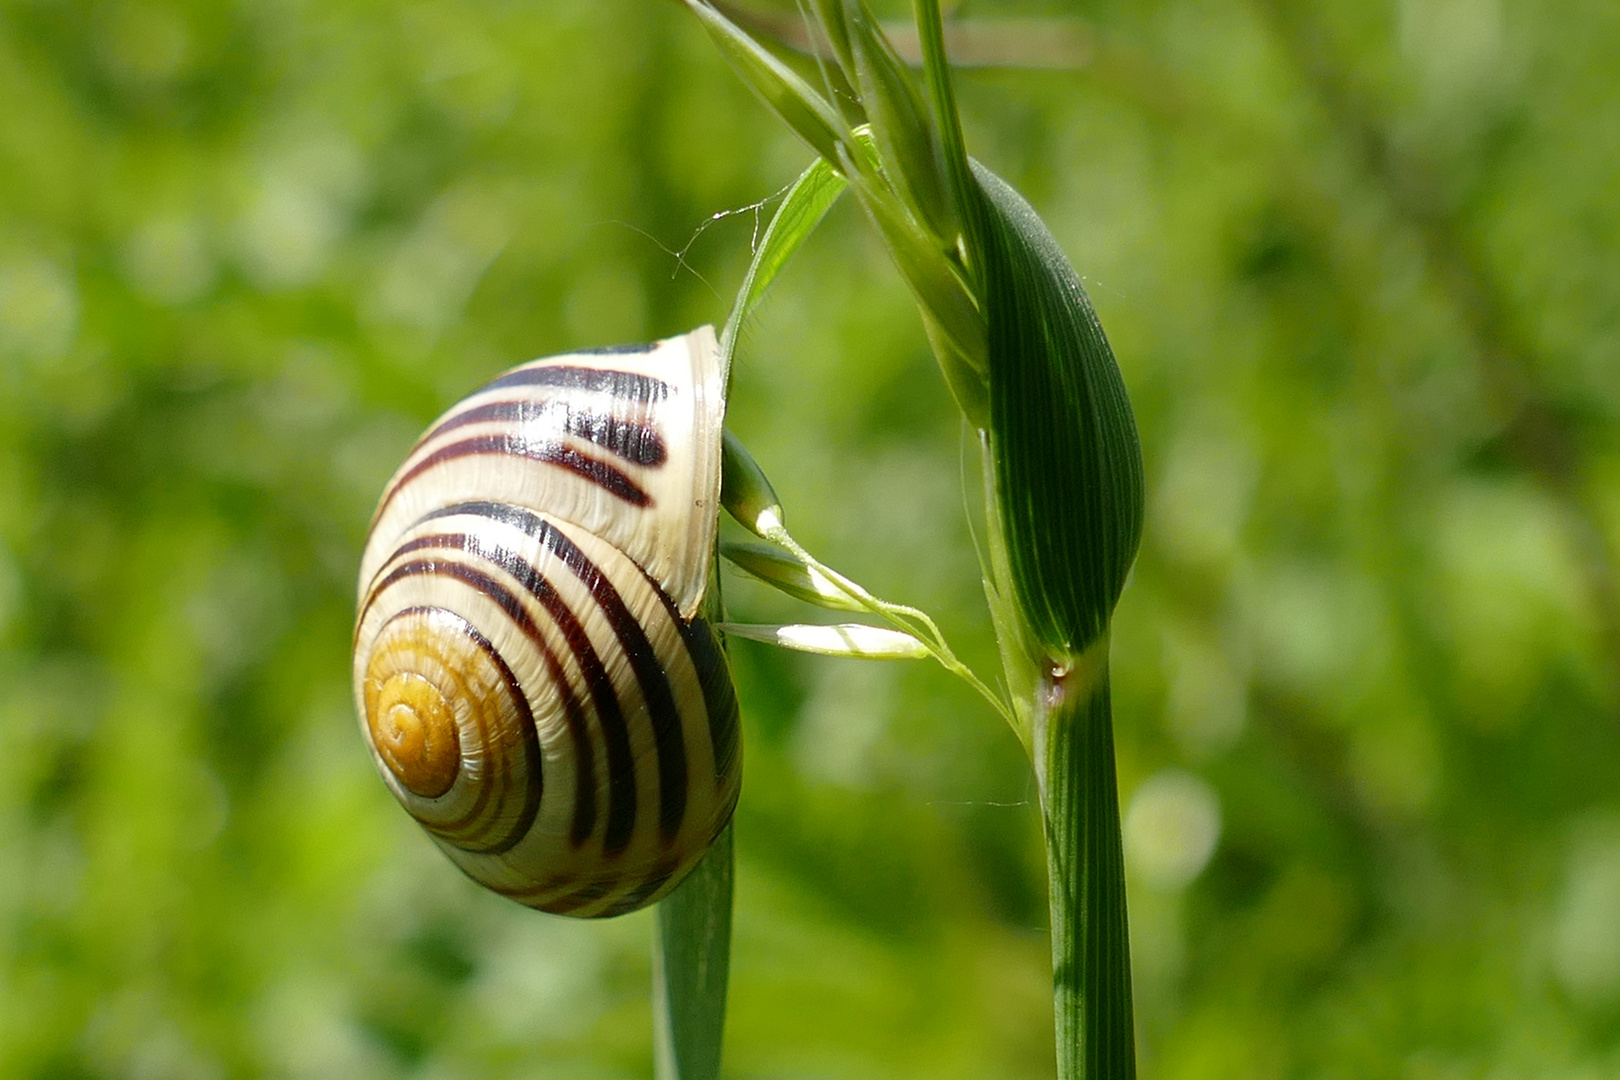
(1091, 961)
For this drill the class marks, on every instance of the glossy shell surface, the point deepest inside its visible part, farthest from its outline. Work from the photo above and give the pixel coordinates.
(531, 671)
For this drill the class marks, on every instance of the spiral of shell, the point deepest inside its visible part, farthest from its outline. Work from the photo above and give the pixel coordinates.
(533, 675)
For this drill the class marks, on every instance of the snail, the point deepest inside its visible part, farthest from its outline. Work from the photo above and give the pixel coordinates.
(532, 672)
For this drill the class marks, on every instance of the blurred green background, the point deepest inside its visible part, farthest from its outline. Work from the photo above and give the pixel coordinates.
(1361, 266)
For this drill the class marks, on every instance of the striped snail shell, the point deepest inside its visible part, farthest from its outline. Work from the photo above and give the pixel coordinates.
(530, 668)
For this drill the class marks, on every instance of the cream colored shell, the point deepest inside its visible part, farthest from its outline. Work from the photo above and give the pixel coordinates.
(531, 673)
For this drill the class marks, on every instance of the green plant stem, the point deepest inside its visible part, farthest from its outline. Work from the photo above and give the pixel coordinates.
(1091, 962)
(691, 961)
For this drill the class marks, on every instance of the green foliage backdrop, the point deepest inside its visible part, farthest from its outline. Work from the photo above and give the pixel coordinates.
(1359, 264)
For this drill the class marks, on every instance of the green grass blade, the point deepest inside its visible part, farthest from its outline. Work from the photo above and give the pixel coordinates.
(790, 97)
(802, 209)
(948, 125)
(1068, 464)
(934, 282)
(901, 124)
(956, 328)
(1091, 959)
(1056, 43)
(795, 40)
(691, 962)
(830, 13)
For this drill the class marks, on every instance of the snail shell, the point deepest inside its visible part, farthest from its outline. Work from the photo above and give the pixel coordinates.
(531, 672)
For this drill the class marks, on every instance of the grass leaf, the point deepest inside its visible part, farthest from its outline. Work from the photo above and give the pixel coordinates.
(1091, 959)
(794, 39)
(834, 26)
(901, 124)
(949, 309)
(691, 962)
(802, 209)
(789, 96)
(948, 128)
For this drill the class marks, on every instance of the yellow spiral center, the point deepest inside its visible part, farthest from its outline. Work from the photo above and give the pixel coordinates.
(450, 728)
(414, 730)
